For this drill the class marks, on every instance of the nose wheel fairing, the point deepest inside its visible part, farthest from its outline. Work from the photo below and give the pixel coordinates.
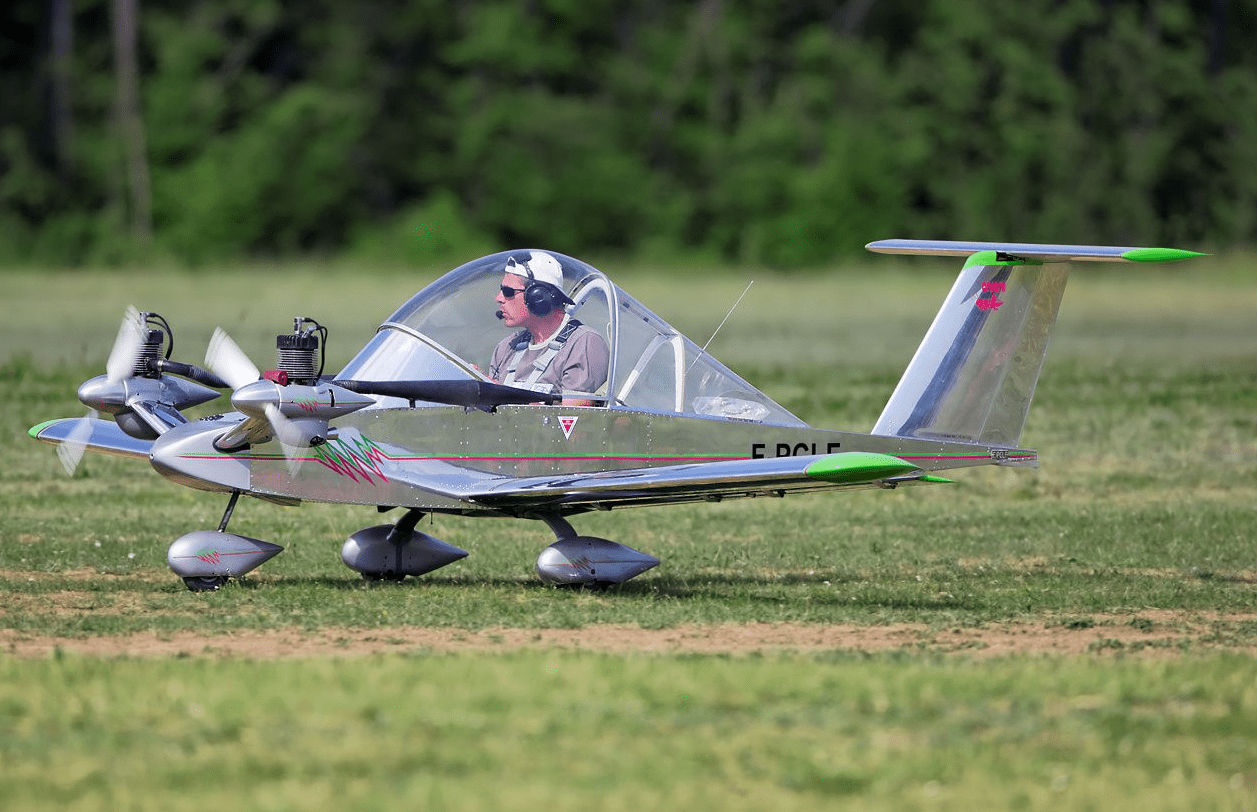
(218, 554)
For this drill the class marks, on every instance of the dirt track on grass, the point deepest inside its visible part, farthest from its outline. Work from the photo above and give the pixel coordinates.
(1147, 634)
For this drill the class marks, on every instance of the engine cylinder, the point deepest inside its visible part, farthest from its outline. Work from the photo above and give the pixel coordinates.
(297, 356)
(150, 352)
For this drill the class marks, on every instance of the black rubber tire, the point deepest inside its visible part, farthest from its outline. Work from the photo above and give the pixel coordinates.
(205, 583)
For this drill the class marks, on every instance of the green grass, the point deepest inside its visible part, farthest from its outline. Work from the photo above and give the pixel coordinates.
(1146, 420)
(563, 731)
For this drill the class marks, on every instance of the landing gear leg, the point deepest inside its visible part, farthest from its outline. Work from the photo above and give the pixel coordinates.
(561, 527)
(231, 508)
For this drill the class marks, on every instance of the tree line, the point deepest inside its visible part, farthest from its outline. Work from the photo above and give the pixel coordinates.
(786, 133)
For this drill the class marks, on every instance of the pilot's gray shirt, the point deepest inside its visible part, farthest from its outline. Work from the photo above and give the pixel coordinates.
(580, 367)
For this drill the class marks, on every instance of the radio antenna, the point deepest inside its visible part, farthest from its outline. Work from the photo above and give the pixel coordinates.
(703, 351)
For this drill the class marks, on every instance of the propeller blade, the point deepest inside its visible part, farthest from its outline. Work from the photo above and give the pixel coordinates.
(226, 360)
(290, 437)
(126, 347)
(70, 452)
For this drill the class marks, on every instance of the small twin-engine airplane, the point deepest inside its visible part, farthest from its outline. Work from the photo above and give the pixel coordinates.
(412, 421)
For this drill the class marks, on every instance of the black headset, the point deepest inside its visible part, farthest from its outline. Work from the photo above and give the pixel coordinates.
(541, 298)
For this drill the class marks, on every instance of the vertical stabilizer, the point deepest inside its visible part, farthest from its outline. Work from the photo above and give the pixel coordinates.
(974, 374)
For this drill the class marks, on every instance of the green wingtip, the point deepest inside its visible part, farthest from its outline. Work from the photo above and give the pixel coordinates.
(939, 480)
(1159, 254)
(856, 467)
(35, 430)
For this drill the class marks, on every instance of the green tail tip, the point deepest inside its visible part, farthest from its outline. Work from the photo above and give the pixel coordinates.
(1159, 254)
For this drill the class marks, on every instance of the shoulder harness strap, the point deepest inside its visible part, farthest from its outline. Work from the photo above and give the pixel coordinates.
(543, 360)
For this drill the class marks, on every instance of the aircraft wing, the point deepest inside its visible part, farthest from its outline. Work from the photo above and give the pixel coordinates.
(105, 438)
(709, 481)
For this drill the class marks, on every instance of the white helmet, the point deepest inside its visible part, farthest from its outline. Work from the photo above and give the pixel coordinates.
(545, 276)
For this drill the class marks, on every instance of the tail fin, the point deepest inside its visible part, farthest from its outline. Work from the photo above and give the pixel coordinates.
(974, 374)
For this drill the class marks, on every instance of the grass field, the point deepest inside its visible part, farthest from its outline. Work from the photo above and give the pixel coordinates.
(1135, 540)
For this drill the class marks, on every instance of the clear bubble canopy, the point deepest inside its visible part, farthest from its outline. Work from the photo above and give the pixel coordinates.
(448, 331)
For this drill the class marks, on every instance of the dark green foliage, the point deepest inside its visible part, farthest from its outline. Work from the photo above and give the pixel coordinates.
(785, 134)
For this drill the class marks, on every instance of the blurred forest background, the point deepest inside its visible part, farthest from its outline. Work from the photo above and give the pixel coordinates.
(785, 134)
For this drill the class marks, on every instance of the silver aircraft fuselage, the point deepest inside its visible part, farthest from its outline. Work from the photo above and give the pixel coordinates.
(426, 456)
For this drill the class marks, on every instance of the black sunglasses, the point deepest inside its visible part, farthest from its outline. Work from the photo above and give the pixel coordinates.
(509, 292)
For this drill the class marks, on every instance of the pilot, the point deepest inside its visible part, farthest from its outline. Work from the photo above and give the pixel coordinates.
(552, 352)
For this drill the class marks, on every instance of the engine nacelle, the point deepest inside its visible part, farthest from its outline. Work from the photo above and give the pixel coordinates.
(121, 398)
(297, 401)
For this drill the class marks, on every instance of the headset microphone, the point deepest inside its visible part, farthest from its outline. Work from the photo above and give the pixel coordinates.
(500, 314)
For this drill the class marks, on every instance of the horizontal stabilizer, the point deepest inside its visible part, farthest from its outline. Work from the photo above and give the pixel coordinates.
(106, 436)
(1031, 251)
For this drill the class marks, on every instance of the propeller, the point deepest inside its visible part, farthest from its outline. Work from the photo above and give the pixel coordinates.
(70, 452)
(126, 347)
(290, 436)
(123, 356)
(225, 359)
